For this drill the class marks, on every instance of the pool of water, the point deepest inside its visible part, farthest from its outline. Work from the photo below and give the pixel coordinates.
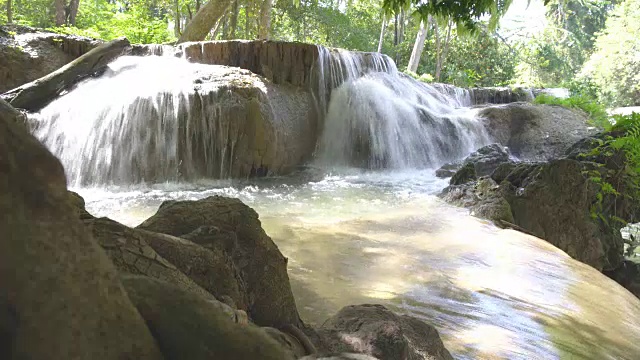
(384, 237)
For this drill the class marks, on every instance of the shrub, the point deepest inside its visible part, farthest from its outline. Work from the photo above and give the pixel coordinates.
(597, 113)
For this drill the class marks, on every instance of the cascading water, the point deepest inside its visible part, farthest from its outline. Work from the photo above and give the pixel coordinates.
(377, 118)
(150, 119)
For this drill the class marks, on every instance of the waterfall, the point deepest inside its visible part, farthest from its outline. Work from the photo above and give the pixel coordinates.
(147, 119)
(162, 118)
(379, 118)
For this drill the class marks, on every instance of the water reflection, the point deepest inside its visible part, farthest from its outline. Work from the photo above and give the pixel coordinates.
(358, 238)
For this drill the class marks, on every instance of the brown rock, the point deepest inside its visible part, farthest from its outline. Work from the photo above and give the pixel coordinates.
(374, 330)
(130, 252)
(60, 297)
(262, 266)
(188, 326)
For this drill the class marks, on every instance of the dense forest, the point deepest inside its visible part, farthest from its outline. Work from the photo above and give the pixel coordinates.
(586, 45)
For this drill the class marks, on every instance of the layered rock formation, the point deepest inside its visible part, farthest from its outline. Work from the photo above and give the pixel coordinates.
(204, 122)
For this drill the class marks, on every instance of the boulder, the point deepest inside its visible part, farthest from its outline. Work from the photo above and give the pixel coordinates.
(481, 162)
(188, 326)
(27, 54)
(130, 252)
(487, 158)
(447, 170)
(466, 174)
(554, 202)
(535, 132)
(211, 267)
(375, 331)
(262, 267)
(482, 197)
(77, 202)
(60, 297)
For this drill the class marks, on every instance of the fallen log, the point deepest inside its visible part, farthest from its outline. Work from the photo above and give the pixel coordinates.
(35, 95)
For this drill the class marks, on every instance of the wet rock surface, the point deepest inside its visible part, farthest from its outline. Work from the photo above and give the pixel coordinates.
(374, 330)
(535, 132)
(559, 201)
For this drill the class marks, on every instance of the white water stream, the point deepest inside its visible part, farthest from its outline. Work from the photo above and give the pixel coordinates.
(354, 235)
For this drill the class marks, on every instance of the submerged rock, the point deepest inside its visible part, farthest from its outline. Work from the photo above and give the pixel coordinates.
(374, 330)
(535, 132)
(60, 296)
(262, 267)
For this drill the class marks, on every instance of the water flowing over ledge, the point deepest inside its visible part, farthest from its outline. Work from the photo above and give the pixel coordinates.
(138, 122)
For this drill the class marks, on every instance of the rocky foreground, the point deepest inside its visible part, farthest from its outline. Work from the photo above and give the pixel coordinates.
(198, 280)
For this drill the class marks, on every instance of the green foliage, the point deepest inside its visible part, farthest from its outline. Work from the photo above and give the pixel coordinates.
(466, 13)
(553, 57)
(596, 112)
(481, 60)
(621, 183)
(614, 66)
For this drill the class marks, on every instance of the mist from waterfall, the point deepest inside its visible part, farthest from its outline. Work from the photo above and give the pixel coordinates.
(379, 118)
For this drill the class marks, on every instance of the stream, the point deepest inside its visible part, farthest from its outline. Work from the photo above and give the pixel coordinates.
(383, 237)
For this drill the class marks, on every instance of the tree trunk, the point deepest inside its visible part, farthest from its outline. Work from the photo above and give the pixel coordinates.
(396, 38)
(9, 12)
(247, 22)
(436, 29)
(206, 18)
(176, 29)
(234, 18)
(35, 95)
(447, 42)
(224, 34)
(442, 52)
(60, 18)
(265, 19)
(384, 27)
(73, 11)
(418, 46)
(402, 19)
